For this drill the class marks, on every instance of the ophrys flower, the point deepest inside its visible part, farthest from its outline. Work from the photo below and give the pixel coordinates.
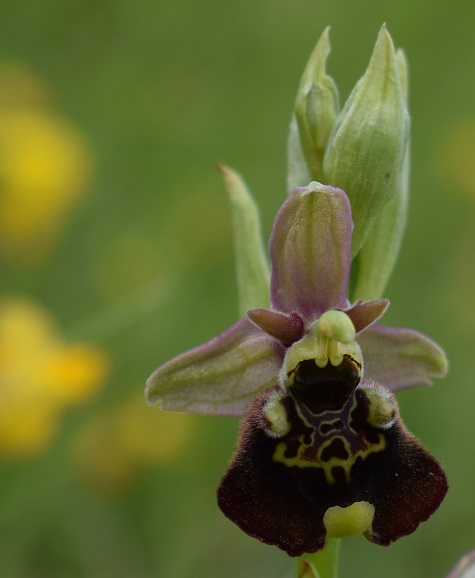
(322, 451)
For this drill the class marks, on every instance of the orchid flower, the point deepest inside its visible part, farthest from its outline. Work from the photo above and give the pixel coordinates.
(322, 451)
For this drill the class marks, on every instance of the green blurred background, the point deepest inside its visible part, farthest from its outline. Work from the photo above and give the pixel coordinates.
(138, 265)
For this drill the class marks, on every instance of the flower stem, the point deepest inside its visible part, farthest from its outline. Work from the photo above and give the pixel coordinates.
(325, 561)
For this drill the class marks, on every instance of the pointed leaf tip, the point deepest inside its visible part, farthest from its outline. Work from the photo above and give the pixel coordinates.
(315, 111)
(252, 267)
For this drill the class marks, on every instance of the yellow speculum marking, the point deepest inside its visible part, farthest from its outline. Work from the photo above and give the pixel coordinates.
(300, 461)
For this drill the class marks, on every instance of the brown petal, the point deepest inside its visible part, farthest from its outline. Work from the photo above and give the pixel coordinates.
(286, 328)
(364, 314)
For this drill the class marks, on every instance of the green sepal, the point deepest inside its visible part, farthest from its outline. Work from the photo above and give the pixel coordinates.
(315, 112)
(366, 149)
(377, 257)
(252, 265)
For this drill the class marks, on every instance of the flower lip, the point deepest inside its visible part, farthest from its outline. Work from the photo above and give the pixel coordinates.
(279, 487)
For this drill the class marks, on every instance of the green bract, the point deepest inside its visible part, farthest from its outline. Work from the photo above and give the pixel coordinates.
(252, 265)
(377, 257)
(362, 150)
(316, 109)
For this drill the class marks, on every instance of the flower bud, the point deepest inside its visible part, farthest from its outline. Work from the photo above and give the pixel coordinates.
(378, 255)
(315, 112)
(364, 155)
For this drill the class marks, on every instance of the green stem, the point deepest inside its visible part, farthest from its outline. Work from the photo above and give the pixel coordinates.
(325, 561)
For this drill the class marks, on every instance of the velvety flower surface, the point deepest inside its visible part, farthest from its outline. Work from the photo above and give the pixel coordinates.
(322, 451)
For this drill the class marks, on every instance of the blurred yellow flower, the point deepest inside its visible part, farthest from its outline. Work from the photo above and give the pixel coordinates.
(113, 448)
(45, 167)
(41, 376)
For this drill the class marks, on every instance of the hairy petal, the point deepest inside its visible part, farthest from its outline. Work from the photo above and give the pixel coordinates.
(265, 498)
(400, 358)
(363, 315)
(310, 249)
(408, 489)
(219, 377)
(285, 328)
